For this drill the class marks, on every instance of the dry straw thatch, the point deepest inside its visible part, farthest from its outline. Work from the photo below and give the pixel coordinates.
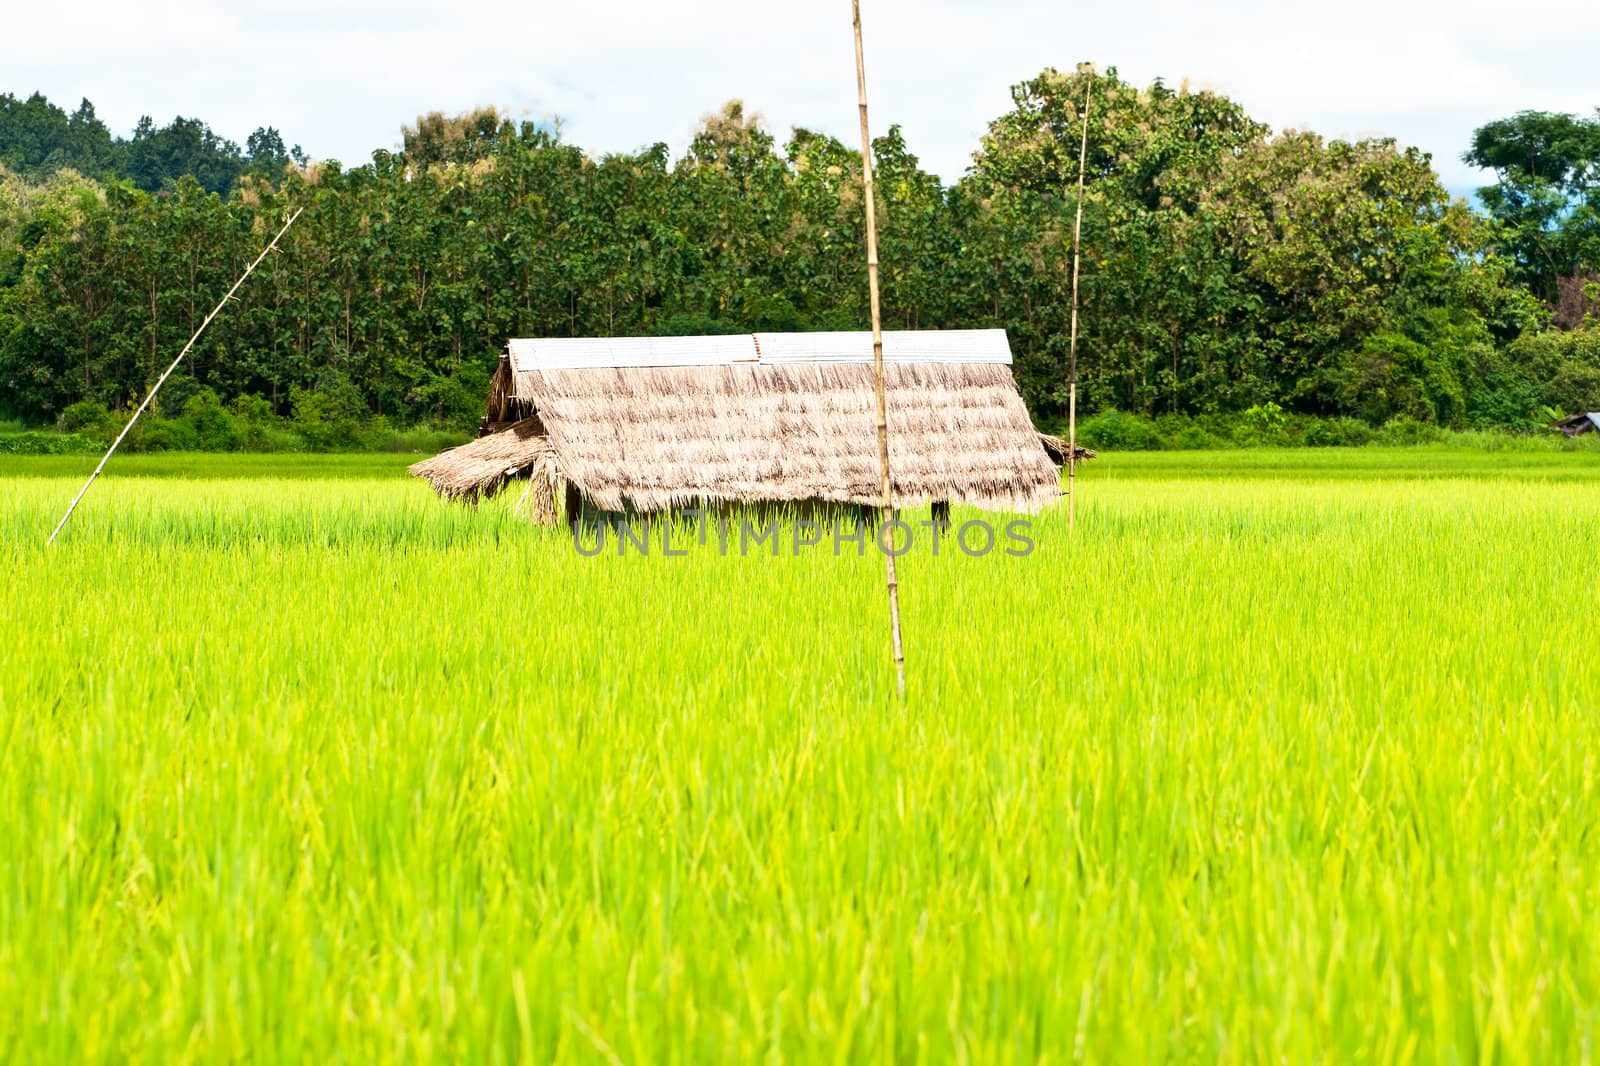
(482, 467)
(653, 437)
(1056, 448)
(660, 437)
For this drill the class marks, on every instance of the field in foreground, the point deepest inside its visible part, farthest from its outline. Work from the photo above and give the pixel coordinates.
(1278, 756)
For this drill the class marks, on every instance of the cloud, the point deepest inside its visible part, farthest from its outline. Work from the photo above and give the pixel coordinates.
(340, 78)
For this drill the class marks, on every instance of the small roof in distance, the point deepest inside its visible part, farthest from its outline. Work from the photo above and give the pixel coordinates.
(899, 346)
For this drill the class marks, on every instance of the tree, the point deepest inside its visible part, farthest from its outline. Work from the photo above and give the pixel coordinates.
(1225, 268)
(1158, 145)
(267, 155)
(732, 197)
(38, 138)
(1546, 199)
(438, 138)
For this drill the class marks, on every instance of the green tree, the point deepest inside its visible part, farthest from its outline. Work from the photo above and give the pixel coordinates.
(1546, 198)
(438, 138)
(1225, 269)
(37, 138)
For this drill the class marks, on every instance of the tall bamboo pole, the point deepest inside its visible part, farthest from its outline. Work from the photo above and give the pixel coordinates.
(877, 354)
(162, 380)
(1072, 370)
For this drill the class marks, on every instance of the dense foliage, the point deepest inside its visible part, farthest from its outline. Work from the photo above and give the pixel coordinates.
(38, 138)
(1226, 268)
(1546, 203)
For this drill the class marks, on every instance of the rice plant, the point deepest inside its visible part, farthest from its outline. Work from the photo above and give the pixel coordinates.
(1283, 756)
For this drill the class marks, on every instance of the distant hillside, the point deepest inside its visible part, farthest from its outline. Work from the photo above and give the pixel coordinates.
(38, 138)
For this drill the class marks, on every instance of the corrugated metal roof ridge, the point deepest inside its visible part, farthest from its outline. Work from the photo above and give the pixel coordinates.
(900, 346)
(853, 346)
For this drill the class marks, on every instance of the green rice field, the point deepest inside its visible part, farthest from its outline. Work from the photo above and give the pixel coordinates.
(1278, 756)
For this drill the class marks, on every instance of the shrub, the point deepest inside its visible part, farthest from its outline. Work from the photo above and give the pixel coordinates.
(1115, 430)
(213, 427)
(330, 419)
(688, 324)
(1194, 438)
(45, 442)
(1404, 431)
(1336, 432)
(387, 438)
(274, 437)
(456, 400)
(1563, 368)
(1392, 376)
(252, 409)
(164, 435)
(1263, 425)
(89, 418)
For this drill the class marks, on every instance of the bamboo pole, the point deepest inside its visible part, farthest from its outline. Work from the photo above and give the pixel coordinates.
(162, 380)
(877, 355)
(1072, 371)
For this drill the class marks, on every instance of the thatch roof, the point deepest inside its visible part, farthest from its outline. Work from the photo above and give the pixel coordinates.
(482, 467)
(1582, 422)
(663, 422)
(1056, 449)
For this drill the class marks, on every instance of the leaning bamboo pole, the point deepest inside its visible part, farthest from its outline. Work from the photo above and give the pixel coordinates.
(1072, 359)
(162, 380)
(877, 356)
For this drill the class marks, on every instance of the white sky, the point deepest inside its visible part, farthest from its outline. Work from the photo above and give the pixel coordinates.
(340, 76)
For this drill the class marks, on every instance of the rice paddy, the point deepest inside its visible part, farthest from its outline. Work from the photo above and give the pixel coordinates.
(1283, 756)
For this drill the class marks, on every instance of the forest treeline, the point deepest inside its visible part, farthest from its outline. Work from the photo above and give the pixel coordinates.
(1226, 268)
(38, 139)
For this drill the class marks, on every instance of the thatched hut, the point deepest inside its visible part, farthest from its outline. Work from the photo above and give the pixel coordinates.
(652, 423)
(1579, 424)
